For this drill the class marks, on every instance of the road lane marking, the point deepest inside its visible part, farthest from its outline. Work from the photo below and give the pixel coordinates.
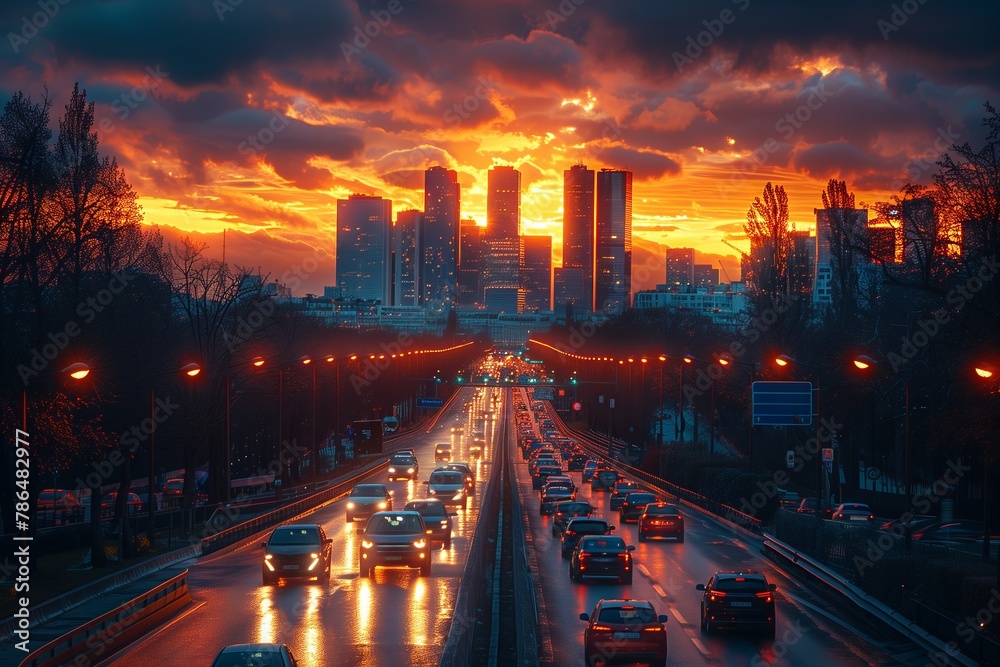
(659, 591)
(698, 645)
(645, 572)
(677, 615)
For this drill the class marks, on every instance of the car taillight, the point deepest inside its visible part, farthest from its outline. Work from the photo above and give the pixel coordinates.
(570, 533)
(601, 628)
(714, 595)
(765, 596)
(657, 628)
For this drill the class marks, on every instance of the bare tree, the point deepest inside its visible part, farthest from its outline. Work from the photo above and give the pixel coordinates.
(846, 237)
(769, 233)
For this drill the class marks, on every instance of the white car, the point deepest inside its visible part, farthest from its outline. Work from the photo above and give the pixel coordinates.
(448, 486)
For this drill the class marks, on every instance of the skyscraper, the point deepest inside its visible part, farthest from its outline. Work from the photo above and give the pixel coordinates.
(800, 263)
(680, 268)
(613, 280)
(920, 232)
(536, 272)
(470, 291)
(852, 226)
(439, 238)
(502, 258)
(578, 229)
(364, 247)
(705, 275)
(406, 258)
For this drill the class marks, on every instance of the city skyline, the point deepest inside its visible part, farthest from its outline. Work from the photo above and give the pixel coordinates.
(703, 106)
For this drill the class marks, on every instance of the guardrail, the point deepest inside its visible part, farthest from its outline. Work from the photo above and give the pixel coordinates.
(525, 602)
(459, 644)
(937, 649)
(106, 634)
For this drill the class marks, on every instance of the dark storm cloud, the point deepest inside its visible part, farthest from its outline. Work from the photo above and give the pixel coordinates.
(644, 166)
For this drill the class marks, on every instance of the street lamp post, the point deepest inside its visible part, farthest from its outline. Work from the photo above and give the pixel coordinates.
(659, 421)
(987, 373)
(725, 361)
(784, 360)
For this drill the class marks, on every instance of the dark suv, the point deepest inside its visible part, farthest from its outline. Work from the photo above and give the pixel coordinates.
(603, 480)
(395, 539)
(296, 551)
(634, 505)
(437, 518)
(622, 488)
(737, 599)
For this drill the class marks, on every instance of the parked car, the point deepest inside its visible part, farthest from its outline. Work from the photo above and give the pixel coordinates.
(133, 504)
(577, 528)
(661, 520)
(737, 599)
(437, 519)
(366, 499)
(601, 557)
(59, 500)
(853, 512)
(259, 655)
(632, 628)
(395, 539)
(296, 551)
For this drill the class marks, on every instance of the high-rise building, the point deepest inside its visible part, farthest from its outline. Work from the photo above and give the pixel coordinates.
(567, 286)
(578, 230)
(439, 239)
(705, 275)
(536, 272)
(680, 268)
(470, 291)
(852, 225)
(364, 248)
(919, 232)
(882, 243)
(406, 258)
(613, 250)
(800, 263)
(501, 261)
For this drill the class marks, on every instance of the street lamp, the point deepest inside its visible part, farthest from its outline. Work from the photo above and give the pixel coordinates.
(659, 421)
(307, 361)
(711, 406)
(985, 372)
(864, 363)
(725, 362)
(783, 361)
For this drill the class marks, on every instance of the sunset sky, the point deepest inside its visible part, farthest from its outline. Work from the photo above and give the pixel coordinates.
(257, 116)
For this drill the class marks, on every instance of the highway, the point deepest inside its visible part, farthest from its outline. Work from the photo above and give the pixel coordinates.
(808, 629)
(394, 618)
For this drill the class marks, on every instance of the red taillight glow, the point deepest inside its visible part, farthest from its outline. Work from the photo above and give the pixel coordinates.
(766, 596)
(658, 628)
(715, 596)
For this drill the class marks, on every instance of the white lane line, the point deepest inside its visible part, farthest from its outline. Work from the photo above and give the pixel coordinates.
(698, 645)
(645, 572)
(659, 591)
(677, 615)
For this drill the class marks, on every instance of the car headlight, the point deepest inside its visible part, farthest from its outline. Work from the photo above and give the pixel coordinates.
(382, 505)
(268, 557)
(350, 506)
(392, 470)
(315, 562)
(365, 544)
(420, 544)
(433, 492)
(410, 470)
(457, 496)
(444, 523)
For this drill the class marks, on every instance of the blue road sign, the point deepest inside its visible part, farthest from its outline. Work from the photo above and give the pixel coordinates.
(782, 403)
(430, 402)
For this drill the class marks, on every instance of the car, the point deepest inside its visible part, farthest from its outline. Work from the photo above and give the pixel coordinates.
(661, 520)
(552, 495)
(577, 462)
(808, 506)
(634, 505)
(589, 469)
(476, 448)
(914, 522)
(448, 486)
(621, 489)
(442, 452)
(259, 655)
(403, 466)
(366, 499)
(604, 480)
(395, 539)
(174, 488)
(601, 557)
(59, 500)
(955, 532)
(560, 480)
(737, 600)
(133, 504)
(567, 510)
(577, 528)
(626, 630)
(406, 451)
(296, 551)
(437, 519)
(458, 430)
(467, 471)
(534, 465)
(853, 512)
(539, 478)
